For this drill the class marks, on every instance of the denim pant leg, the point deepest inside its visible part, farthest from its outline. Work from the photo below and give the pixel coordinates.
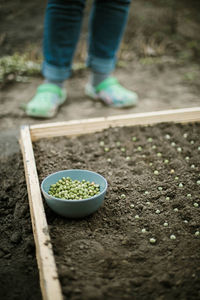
(107, 23)
(62, 26)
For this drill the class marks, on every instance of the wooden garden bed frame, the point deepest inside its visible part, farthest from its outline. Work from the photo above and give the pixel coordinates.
(49, 282)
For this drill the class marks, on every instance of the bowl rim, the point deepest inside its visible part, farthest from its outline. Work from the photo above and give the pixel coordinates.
(73, 201)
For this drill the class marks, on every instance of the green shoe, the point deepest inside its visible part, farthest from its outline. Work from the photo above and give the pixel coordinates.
(112, 93)
(46, 102)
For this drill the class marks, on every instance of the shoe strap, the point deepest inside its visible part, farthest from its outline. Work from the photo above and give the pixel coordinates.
(106, 83)
(50, 88)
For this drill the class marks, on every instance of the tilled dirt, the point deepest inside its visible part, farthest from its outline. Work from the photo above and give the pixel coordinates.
(109, 254)
(19, 274)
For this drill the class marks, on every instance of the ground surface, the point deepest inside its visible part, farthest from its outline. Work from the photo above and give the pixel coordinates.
(160, 59)
(107, 256)
(18, 275)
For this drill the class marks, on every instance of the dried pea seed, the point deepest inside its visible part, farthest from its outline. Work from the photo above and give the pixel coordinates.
(152, 240)
(150, 140)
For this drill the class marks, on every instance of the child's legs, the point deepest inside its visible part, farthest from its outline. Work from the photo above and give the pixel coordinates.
(107, 23)
(61, 32)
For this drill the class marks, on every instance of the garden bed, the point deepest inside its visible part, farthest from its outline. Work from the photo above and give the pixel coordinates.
(143, 243)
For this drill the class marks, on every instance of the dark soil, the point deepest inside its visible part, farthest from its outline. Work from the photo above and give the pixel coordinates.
(160, 59)
(107, 255)
(19, 273)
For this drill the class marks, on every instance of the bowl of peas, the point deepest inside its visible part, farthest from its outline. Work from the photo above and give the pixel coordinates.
(74, 193)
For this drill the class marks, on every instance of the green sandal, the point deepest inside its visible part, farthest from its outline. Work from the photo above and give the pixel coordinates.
(46, 102)
(112, 93)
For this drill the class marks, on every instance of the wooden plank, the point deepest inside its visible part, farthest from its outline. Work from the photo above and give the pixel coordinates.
(50, 285)
(73, 128)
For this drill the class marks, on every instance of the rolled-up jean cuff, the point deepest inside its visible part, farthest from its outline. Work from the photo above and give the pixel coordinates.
(54, 72)
(101, 65)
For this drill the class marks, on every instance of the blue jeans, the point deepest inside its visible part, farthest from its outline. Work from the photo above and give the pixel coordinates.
(62, 27)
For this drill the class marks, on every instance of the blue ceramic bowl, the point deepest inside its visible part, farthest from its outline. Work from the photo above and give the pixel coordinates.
(74, 208)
